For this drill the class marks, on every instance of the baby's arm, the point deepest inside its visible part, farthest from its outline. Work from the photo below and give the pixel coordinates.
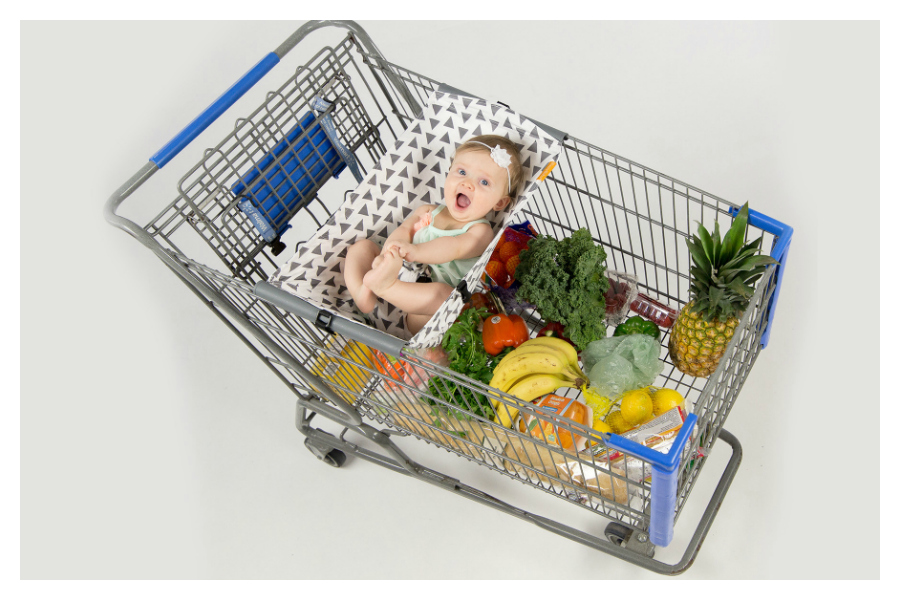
(445, 249)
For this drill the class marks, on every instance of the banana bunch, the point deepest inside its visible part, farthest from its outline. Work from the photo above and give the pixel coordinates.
(537, 367)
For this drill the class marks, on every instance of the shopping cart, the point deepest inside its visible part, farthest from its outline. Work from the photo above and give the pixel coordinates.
(275, 174)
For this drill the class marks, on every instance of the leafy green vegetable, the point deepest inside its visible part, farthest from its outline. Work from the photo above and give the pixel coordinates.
(566, 280)
(465, 350)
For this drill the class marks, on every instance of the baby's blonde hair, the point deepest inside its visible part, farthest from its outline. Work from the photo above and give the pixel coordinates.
(516, 172)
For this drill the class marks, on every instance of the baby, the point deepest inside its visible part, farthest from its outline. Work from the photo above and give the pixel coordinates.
(450, 237)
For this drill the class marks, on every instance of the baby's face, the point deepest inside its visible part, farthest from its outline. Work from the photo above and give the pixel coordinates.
(475, 186)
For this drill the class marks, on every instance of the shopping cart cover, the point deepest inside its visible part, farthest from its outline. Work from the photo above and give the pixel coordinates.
(412, 173)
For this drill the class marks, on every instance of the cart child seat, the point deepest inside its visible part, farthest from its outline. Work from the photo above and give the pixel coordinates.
(410, 174)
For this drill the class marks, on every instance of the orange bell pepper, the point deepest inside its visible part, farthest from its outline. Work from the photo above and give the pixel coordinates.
(502, 331)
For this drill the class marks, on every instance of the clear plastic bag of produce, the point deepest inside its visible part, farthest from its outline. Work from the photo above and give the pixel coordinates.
(621, 293)
(618, 364)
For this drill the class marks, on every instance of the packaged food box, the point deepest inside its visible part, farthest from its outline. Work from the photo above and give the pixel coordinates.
(547, 430)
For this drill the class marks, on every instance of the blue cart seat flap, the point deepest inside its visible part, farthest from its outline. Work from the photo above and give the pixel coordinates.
(286, 178)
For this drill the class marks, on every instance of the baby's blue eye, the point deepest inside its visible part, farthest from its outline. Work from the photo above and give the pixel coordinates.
(462, 171)
(484, 182)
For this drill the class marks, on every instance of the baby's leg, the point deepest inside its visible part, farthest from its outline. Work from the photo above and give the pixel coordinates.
(416, 322)
(357, 263)
(411, 298)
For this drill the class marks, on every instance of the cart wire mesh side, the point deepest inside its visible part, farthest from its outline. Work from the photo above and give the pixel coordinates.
(367, 381)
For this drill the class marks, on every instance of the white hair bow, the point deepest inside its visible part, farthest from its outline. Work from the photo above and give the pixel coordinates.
(503, 160)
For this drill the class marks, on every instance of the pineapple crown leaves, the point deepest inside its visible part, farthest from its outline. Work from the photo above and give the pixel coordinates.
(725, 269)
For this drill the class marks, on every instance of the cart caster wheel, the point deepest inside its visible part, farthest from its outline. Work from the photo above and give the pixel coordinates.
(335, 458)
(617, 533)
(620, 535)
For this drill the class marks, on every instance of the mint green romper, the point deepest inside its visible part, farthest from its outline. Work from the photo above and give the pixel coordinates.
(451, 272)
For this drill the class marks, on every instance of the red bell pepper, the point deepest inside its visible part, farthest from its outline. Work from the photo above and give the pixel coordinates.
(553, 329)
(502, 331)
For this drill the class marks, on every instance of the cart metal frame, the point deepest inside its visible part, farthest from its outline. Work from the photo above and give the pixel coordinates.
(639, 215)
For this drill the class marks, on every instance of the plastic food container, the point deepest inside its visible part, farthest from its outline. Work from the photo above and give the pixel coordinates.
(654, 310)
(621, 293)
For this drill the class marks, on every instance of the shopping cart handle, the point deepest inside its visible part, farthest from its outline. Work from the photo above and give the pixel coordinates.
(350, 329)
(784, 233)
(664, 484)
(214, 110)
(234, 93)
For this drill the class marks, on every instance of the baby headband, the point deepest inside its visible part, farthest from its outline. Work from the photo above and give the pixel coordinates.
(503, 160)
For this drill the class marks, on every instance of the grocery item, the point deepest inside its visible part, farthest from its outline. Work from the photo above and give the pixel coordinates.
(566, 280)
(346, 371)
(465, 352)
(600, 405)
(503, 331)
(636, 407)
(553, 329)
(398, 372)
(548, 431)
(601, 426)
(723, 274)
(496, 270)
(508, 249)
(501, 267)
(617, 364)
(616, 422)
(634, 325)
(537, 367)
(654, 310)
(665, 399)
(621, 293)
(486, 300)
(658, 433)
(511, 265)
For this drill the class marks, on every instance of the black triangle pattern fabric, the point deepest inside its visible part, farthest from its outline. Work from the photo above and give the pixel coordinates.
(409, 175)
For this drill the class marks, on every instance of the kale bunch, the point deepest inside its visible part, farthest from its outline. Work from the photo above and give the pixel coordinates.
(566, 280)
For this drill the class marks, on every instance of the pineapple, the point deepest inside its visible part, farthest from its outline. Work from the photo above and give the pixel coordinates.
(722, 278)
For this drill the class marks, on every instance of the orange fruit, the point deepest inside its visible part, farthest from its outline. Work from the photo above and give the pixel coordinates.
(507, 250)
(497, 272)
(511, 265)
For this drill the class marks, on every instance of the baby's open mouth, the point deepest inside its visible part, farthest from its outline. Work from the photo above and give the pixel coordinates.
(462, 201)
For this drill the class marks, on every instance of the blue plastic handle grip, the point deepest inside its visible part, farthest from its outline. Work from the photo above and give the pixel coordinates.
(667, 461)
(663, 493)
(214, 110)
(779, 253)
(664, 486)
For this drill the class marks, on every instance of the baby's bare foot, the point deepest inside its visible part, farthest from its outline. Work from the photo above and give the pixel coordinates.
(364, 298)
(385, 270)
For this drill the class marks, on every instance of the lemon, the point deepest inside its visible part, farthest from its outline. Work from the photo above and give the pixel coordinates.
(637, 407)
(602, 427)
(665, 400)
(616, 422)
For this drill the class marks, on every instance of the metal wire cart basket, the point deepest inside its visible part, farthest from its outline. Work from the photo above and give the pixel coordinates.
(275, 175)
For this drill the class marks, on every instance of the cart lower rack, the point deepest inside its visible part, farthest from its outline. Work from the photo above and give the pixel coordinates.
(274, 180)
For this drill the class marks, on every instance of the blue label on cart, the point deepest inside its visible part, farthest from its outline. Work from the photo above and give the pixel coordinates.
(258, 220)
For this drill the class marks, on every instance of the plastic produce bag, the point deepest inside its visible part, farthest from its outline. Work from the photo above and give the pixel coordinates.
(618, 364)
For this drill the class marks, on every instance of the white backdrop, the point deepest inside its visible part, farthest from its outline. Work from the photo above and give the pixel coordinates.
(154, 445)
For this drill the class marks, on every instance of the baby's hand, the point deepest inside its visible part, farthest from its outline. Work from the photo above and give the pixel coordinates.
(402, 249)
